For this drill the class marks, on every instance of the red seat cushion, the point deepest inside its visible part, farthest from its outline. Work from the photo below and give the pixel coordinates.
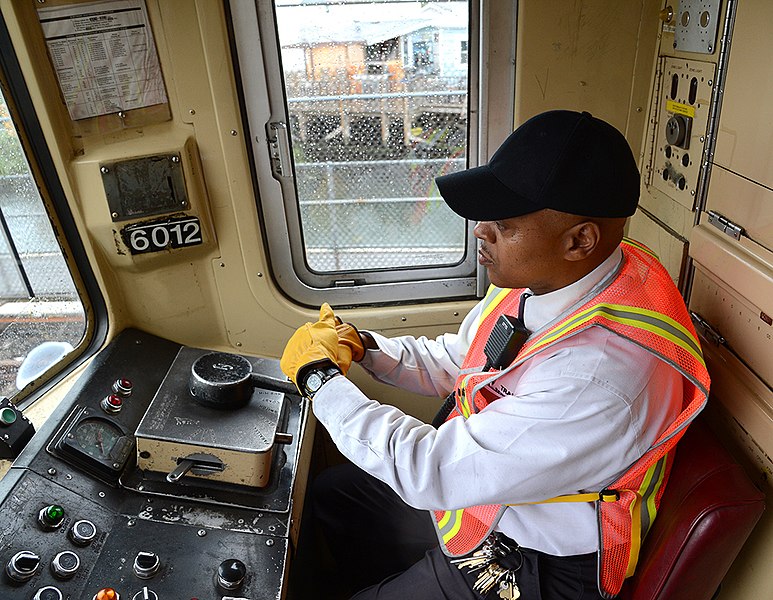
(708, 510)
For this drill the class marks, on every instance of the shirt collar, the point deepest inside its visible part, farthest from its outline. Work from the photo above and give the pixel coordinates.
(541, 310)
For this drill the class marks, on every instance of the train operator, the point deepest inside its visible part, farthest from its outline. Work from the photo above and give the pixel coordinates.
(571, 381)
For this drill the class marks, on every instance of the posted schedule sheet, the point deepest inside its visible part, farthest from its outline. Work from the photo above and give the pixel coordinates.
(104, 56)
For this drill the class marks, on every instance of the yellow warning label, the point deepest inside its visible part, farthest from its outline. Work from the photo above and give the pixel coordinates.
(680, 109)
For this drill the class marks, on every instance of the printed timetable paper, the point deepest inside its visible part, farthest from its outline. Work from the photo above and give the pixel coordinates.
(104, 56)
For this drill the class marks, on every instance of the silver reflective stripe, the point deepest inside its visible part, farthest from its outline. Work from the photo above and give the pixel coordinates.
(652, 488)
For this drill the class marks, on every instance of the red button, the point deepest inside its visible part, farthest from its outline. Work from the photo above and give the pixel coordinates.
(106, 594)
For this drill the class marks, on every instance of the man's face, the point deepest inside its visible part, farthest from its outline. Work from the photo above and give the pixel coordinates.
(525, 251)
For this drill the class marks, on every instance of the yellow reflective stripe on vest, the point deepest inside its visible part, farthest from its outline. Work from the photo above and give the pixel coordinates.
(640, 246)
(494, 296)
(642, 318)
(454, 517)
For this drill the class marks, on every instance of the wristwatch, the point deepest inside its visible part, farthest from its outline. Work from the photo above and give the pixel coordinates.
(316, 376)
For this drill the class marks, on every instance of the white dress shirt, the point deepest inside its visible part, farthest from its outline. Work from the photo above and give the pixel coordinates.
(570, 419)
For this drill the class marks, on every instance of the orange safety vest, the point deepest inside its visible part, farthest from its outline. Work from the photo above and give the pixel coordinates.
(641, 304)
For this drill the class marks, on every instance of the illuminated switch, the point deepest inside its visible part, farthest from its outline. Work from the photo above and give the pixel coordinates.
(123, 387)
(112, 404)
(7, 416)
(51, 517)
(107, 594)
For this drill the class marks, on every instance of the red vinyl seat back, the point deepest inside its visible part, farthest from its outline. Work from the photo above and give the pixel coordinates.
(708, 510)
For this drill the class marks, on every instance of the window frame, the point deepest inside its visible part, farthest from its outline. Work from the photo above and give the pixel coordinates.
(44, 173)
(258, 61)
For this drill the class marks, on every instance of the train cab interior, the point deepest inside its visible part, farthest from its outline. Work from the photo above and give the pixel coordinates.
(184, 182)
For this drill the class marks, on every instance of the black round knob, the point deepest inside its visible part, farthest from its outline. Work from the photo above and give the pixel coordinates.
(146, 564)
(82, 532)
(220, 380)
(231, 574)
(65, 564)
(48, 593)
(22, 565)
(676, 130)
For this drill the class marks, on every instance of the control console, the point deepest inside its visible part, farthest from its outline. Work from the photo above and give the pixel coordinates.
(166, 473)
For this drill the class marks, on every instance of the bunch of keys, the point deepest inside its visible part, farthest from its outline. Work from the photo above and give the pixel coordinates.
(490, 573)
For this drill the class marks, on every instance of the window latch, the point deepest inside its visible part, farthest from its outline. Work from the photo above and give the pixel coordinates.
(279, 149)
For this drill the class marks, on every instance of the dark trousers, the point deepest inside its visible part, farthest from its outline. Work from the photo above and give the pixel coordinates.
(389, 551)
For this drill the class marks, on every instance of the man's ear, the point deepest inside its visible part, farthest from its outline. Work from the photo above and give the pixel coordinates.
(581, 240)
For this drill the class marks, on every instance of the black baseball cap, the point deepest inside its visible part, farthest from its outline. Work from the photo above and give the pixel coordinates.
(564, 160)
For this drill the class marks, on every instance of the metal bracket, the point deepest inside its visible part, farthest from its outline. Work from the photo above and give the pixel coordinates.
(725, 225)
(697, 23)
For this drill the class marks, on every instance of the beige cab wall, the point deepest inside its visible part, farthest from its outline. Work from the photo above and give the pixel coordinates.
(591, 55)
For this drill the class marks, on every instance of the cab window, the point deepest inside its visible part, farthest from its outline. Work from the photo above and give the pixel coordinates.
(42, 317)
(355, 108)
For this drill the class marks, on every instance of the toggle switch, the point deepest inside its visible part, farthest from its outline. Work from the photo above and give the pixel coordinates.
(146, 564)
(145, 594)
(22, 566)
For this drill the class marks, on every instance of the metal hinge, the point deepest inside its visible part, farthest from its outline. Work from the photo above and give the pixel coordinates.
(279, 149)
(706, 330)
(725, 225)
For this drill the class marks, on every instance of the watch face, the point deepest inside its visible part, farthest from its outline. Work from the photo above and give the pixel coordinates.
(313, 382)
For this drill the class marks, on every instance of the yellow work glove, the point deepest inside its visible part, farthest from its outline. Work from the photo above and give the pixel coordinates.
(312, 343)
(350, 340)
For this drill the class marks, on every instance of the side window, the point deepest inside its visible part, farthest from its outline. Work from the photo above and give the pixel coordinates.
(354, 109)
(42, 318)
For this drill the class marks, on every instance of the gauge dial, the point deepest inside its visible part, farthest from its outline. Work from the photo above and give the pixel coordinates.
(96, 437)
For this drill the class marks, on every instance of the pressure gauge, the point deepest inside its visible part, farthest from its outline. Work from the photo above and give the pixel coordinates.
(95, 442)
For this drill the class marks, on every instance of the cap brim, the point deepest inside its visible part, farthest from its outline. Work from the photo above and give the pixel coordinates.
(476, 194)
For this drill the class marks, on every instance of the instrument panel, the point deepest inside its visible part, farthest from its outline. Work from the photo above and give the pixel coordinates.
(88, 513)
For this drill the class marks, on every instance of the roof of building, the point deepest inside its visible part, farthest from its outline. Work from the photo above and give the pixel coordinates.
(310, 25)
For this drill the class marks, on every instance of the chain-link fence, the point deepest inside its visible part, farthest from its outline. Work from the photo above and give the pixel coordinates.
(364, 215)
(31, 262)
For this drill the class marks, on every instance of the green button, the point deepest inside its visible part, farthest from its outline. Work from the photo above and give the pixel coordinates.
(7, 416)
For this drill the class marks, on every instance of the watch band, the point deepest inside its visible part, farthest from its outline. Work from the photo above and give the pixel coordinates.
(316, 377)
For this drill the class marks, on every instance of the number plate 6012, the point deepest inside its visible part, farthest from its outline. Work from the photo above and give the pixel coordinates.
(158, 236)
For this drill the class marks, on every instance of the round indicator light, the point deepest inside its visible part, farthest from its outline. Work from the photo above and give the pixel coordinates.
(106, 594)
(123, 387)
(51, 517)
(7, 416)
(112, 403)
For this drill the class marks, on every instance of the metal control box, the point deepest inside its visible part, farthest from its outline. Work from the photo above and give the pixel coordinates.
(232, 446)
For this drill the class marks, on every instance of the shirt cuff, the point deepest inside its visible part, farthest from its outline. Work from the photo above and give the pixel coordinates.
(335, 401)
